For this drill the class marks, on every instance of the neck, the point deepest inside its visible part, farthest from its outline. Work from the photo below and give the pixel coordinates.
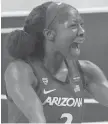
(72, 67)
(52, 62)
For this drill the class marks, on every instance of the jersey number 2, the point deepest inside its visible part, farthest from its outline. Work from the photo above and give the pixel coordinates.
(68, 116)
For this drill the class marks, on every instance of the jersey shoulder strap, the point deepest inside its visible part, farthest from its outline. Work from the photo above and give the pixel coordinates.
(36, 75)
(82, 75)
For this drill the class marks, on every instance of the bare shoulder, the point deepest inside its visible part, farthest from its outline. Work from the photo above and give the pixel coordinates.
(92, 70)
(88, 64)
(18, 70)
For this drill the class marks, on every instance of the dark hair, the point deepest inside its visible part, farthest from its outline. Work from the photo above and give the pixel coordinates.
(35, 24)
(20, 44)
(33, 31)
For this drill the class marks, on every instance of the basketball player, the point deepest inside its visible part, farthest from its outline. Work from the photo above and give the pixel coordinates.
(46, 83)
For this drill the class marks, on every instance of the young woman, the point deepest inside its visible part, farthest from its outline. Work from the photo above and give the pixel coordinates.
(46, 81)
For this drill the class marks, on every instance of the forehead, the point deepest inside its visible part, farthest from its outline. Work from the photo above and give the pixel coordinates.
(73, 15)
(69, 15)
(66, 14)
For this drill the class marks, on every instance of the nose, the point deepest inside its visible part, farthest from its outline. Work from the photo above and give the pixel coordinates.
(81, 31)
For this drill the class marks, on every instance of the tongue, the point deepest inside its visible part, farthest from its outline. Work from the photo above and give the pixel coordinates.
(74, 45)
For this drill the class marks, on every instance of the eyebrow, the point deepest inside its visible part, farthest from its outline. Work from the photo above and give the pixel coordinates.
(74, 20)
(77, 21)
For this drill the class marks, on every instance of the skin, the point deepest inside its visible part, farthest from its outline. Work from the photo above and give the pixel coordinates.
(71, 30)
(19, 76)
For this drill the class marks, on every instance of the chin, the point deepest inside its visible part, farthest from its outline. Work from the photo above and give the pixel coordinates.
(76, 56)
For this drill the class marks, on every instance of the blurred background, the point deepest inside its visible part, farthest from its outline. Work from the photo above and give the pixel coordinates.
(27, 5)
(95, 48)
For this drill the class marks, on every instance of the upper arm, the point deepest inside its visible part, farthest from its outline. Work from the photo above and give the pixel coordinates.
(92, 72)
(18, 84)
(97, 83)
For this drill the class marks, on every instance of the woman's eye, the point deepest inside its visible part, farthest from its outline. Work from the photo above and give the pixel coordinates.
(73, 25)
(82, 24)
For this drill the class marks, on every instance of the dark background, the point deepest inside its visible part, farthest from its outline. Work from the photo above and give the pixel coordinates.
(94, 49)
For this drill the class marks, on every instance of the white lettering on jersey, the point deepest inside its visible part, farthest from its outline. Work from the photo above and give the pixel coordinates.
(68, 116)
(55, 100)
(76, 79)
(77, 88)
(63, 101)
(45, 80)
(48, 100)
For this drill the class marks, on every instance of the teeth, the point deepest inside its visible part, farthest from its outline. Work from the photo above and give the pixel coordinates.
(77, 49)
(75, 46)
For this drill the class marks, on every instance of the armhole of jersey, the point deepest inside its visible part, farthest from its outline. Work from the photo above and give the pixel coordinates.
(82, 75)
(36, 75)
(8, 97)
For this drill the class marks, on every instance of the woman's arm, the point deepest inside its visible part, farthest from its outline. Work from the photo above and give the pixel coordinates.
(97, 83)
(18, 84)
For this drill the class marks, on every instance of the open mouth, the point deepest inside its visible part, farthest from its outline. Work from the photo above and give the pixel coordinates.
(75, 45)
(77, 42)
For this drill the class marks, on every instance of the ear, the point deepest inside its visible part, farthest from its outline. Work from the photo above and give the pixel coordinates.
(49, 34)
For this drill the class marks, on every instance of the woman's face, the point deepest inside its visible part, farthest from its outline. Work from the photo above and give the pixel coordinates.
(69, 34)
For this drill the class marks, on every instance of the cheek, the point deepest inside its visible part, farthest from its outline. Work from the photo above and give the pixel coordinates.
(70, 35)
(74, 32)
(65, 37)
